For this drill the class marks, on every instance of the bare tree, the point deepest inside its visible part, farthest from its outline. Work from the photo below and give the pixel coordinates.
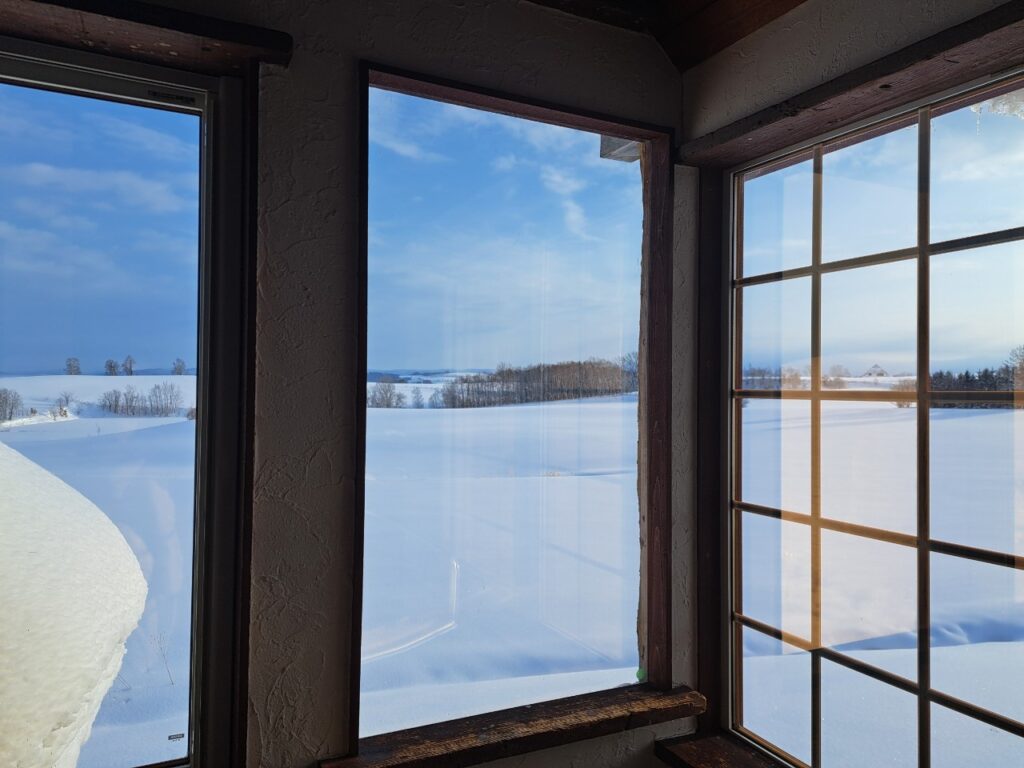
(178, 367)
(10, 404)
(905, 385)
(164, 399)
(385, 395)
(417, 398)
(1016, 363)
(630, 371)
(436, 399)
(64, 400)
(132, 402)
(72, 367)
(110, 367)
(128, 366)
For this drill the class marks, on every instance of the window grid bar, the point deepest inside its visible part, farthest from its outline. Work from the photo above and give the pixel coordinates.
(999, 237)
(994, 396)
(964, 551)
(816, 229)
(981, 714)
(736, 676)
(924, 741)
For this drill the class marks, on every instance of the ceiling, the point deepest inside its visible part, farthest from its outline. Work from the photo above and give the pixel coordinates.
(688, 30)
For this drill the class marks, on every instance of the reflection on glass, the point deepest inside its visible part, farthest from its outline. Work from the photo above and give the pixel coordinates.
(776, 460)
(502, 531)
(865, 722)
(869, 326)
(977, 476)
(868, 461)
(777, 693)
(958, 740)
(99, 268)
(776, 319)
(978, 633)
(869, 601)
(977, 319)
(977, 168)
(777, 219)
(777, 573)
(869, 196)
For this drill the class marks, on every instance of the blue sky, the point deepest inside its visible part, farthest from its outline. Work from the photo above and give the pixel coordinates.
(496, 239)
(869, 206)
(98, 232)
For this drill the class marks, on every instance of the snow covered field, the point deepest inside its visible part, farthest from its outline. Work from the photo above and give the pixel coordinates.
(139, 472)
(502, 562)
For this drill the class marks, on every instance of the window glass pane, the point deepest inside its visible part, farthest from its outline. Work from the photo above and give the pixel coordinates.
(864, 721)
(98, 350)
(869, 196)
(502, 553)
(977, 319)
(776, 319)
(777, 573)
(978, 633)
(958, 740)
(777, 693)
(776, 454)
(977, 476)
(869, 327)
(777, 219)
(977, 168)
(869, 601)
(868, 464)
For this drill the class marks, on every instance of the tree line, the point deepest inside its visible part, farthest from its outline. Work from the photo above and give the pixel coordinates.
(164, 399)
(516, 385)
(73, 367)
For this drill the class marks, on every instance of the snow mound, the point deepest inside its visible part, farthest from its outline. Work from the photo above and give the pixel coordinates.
(71, 591)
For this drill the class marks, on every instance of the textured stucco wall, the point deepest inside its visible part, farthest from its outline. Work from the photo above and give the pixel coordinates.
(306, 348)
(813, 43)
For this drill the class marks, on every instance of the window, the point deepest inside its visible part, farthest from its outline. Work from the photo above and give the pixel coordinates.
(877, 489)
(505, 371)
(114, 318)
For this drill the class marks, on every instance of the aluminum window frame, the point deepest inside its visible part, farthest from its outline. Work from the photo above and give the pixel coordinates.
(225, 370)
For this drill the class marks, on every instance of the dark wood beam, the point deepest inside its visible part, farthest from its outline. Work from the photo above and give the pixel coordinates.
(719, 751)
(510, 732)
(985, 45)
(627, 14)
(145, 32)
(716, 26)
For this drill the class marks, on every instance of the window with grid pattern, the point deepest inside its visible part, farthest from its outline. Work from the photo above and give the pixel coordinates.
(877, 488)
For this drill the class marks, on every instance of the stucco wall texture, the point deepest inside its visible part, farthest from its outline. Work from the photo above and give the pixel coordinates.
(307, 282)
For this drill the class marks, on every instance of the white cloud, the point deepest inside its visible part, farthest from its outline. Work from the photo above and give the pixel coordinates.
(561, 182)
(45, 254)
(128, 187)
(51, 215)
(505, 162)
(389, 130)
(576, 219)
(148, 140)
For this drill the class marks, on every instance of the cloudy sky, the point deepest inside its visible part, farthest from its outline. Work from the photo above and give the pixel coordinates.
(869, 196)
(495, 239)
(98, 232)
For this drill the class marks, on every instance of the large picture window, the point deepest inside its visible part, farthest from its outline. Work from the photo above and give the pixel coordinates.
(502, 561)
(877, 485)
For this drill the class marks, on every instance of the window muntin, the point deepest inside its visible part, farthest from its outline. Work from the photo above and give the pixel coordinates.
(502, 554)
(100, 262)
(882, 464)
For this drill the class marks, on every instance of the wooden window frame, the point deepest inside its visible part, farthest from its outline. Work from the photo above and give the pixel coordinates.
(542, 725)
(226, 344)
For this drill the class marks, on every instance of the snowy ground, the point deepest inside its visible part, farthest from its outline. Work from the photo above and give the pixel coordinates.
(139, 471)
(502, 562)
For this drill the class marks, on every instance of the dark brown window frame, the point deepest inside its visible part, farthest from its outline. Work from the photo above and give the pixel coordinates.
(655, 435)
(225, 439)
(919, 114)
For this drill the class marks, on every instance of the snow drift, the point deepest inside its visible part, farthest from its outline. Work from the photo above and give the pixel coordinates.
(72, 593)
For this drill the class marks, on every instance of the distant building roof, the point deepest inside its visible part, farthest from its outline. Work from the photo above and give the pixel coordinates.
(875, 370)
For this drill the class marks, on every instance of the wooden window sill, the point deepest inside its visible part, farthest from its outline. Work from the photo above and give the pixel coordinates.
(509, 732)
(718, 750)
